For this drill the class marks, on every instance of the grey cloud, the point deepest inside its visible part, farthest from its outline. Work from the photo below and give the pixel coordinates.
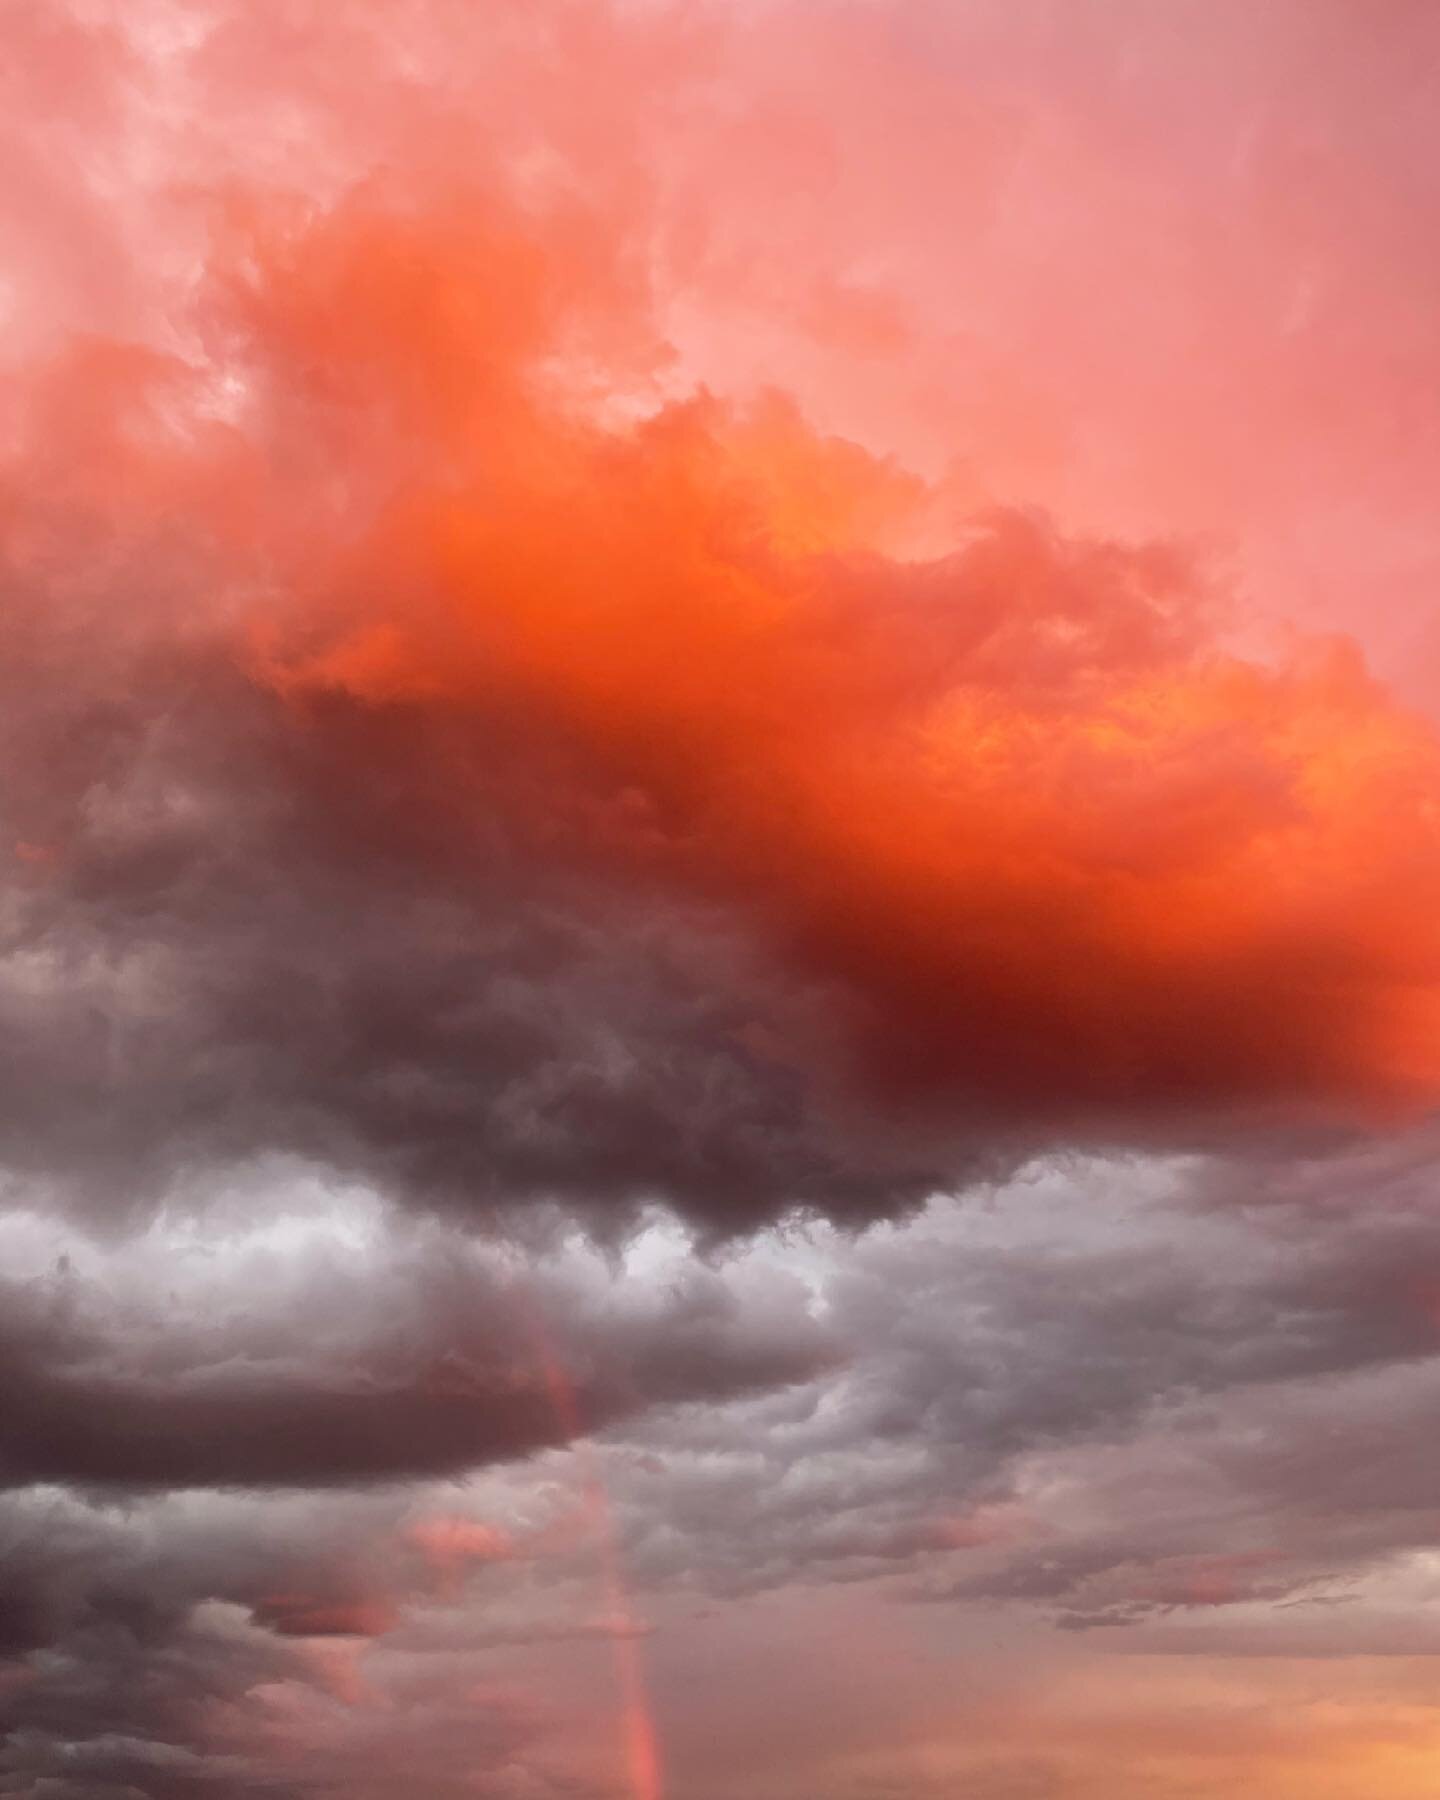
(1291, 1492)
(233, 930)
(153, 1663)
(1089, 1398)
(419, 1354)
(1012, 1379)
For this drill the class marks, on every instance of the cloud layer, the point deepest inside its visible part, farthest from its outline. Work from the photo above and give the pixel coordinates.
(719, 871)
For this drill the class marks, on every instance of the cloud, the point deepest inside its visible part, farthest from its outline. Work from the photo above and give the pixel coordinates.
(253, 933)
(538, 805)
(1100, 1398)
(1018, 803)
(701, 1012)
(345, 1364)
(239, 1644)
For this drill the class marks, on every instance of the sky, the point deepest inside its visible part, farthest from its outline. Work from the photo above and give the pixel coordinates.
(720, 876)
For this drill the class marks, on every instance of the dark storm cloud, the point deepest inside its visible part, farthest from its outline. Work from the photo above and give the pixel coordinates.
(236, 927)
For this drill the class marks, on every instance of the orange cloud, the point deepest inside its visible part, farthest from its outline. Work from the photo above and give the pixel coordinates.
(1063, 852)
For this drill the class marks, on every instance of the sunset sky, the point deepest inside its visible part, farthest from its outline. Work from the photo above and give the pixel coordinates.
(720, 874)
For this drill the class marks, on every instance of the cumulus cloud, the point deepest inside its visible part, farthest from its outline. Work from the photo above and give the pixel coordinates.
(930, 858)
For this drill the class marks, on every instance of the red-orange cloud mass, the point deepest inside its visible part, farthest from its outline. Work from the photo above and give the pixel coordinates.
(1063, 851)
